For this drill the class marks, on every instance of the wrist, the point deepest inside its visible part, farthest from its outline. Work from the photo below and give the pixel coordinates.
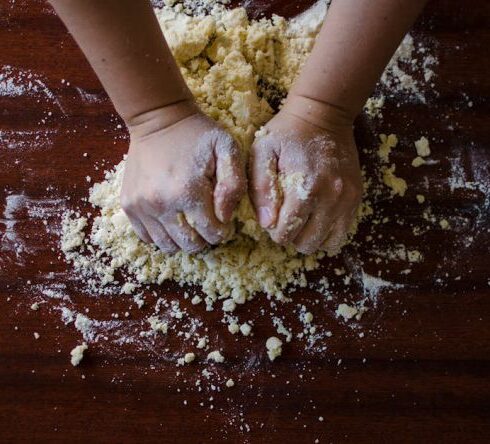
(325, 115)
(162, 117)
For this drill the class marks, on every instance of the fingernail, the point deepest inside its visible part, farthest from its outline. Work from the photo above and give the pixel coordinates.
(265, 217)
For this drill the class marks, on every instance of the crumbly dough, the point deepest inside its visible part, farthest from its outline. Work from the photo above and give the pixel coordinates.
(237, 70)
(234, 67)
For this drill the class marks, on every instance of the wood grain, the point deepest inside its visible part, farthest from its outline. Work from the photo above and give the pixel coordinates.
(421, 373)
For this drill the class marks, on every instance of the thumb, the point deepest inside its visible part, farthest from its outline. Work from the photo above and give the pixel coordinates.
(231, 181)
(265, 192)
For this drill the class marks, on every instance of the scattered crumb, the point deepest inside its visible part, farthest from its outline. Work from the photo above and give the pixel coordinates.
(274, 347)
(422, 147)
(189, 357)
(77, 354)
(216, 356)
(418, 161)
(245, 329)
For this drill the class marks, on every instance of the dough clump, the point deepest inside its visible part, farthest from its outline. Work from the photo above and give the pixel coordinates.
(235, 68)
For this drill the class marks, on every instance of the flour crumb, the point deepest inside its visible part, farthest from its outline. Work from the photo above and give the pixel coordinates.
(216, 356)
(245, 329)
(233, 328)
(444, 224)
(350, 311)
(189, 357)
(422, 147)
(77, 354)
(397, 185)
(196, 300)
(202, 342)
(418, 161)
(157, 325)
(387, 144)
(139, 300)
(274, 347)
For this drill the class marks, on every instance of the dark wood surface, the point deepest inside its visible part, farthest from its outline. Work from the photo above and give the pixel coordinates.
(422, 371)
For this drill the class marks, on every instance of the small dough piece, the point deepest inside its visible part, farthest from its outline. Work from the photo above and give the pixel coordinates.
(397, 184)
(245, 329)
(274, 347)
(422, 147)
(216, 356)
(386, 145)
(77, 354)
(189, 357)
(418, 161)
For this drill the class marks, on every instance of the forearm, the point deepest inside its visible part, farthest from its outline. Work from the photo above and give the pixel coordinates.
(355, 43)
(125, 46)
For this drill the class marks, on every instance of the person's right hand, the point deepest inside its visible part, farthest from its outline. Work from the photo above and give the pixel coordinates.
(182, 181)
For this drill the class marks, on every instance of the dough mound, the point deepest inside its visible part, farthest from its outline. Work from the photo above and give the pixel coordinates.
(237, 69)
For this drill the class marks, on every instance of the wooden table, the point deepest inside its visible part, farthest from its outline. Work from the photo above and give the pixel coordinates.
(420, 373)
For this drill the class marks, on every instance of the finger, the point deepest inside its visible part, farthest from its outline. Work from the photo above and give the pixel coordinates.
(138, 227)
(203, 219)
(264, 191)
(160, 236)
(293, 216)
(316, 230)
(183, 234)
(231, 182)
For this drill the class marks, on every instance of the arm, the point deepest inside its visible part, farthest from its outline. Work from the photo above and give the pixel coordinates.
(355, 44)
(184, 175)
(126, 48)
(311, 139)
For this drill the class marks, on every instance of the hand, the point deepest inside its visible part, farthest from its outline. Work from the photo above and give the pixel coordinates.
(182, 181)
(305, 177)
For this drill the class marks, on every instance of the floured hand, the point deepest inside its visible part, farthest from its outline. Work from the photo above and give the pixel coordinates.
(305, 177)
(182, 182)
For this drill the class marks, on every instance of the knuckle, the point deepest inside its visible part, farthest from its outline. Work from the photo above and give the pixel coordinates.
(152, 199)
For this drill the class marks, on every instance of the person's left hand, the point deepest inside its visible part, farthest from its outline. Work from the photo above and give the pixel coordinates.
(305, 178)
